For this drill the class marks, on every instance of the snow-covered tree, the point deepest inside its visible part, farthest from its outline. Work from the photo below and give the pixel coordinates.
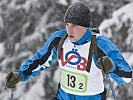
(25, 25)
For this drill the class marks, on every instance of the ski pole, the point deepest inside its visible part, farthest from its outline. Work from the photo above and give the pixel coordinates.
(108, 79)
(12, 93)
(111, 86)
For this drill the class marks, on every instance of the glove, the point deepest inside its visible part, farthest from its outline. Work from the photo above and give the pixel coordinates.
(12, 79)
(105, 64)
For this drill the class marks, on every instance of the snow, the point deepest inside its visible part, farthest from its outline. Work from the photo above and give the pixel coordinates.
(12, 4)
(41, 28)
(124, 12)
(36, 91)
(2, 78)
(62, 2)
(1, 22)
(31, 37)
(129, 57)
(3, 2)
(6, 94)
(57, 76)
(129, 39)
(2, 49)
(130, 60)
(119, 17)
(7, 60)
(43, 21)
(26, 5)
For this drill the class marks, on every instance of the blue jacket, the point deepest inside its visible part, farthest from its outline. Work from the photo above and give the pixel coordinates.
(44, 57)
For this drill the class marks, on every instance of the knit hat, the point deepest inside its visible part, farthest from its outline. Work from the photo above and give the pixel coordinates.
(78, 14)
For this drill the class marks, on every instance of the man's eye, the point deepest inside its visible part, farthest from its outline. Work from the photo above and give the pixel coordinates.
(74, 25)
(71, 25)
(66, 24)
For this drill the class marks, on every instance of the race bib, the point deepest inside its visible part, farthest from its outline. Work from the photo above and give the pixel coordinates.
(74, 81)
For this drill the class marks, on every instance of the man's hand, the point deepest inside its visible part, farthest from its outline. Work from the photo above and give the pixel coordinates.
(12, 79)
(105, 64)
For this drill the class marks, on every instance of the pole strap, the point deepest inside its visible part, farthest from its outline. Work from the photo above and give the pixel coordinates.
(60, 44)
(93, 45)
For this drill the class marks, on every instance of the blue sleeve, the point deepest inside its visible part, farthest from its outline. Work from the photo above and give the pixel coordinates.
(48, 53)
(122, 72)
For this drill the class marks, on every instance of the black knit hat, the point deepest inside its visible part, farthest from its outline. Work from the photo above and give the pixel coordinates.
(78, 14)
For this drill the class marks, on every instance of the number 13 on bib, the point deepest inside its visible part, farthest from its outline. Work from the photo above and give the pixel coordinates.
(73, 81)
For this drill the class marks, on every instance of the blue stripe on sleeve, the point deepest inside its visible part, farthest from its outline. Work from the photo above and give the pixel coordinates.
(34, 60)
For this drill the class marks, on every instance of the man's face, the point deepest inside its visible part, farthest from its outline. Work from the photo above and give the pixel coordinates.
(75, 32)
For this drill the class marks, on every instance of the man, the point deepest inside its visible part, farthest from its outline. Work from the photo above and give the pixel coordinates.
(76, 82)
